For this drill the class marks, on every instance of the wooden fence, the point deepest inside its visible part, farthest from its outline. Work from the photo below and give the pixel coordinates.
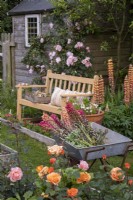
(8, 58)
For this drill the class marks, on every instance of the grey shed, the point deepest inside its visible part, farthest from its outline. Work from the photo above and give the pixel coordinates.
(29, 14)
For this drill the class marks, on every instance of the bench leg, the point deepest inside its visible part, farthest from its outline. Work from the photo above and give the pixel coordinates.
(19, 111)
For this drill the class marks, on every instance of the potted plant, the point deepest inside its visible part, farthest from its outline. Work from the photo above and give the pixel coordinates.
(92, 111)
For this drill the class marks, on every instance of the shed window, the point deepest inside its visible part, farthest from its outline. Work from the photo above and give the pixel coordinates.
(32, 28)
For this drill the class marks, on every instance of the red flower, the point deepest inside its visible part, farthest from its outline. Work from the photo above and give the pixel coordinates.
(62, 152)
(52, 160)
(50, 170)
(104, 157)
(49, 153)
(8, 115)
(127, 165)
(130, 182)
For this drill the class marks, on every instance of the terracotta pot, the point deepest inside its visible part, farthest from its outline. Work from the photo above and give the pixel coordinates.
(98, 118)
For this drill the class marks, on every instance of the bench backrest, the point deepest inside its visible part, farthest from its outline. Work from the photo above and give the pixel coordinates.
(73, 83)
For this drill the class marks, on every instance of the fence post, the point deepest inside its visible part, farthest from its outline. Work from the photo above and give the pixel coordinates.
(8, 58)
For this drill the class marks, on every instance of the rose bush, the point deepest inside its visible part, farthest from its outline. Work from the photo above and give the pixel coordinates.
(61, 180)
(60, 51)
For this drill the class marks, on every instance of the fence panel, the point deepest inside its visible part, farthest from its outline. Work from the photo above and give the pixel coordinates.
(8, 61)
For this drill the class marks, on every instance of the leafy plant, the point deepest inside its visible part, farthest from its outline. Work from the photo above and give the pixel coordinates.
(86, 105)
(8, 98)
(119, 118)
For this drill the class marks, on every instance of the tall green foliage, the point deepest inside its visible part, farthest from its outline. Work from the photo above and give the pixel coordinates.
(111, 16)
(5, 19)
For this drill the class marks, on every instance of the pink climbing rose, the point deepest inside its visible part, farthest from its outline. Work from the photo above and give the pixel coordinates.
(71, 60)
(58, 47)
(79, 45)
(87, 62)
(15, 174)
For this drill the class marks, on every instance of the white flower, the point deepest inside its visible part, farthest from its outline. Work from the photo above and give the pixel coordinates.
(63, 73)
(69, 54)
(69, 41)
(42, 66)
(37, 66)
(88, 49)
(58, 60)
(30, 71)
(27, 66)
(41, 40)
(77, 26)
(52, 54)
(58, 47)
(51, 25)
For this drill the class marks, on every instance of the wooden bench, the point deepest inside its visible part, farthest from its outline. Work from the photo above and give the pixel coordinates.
(53, 80)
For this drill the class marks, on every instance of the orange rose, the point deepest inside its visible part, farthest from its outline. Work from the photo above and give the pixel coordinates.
(52, 160)
(104, 157)
(43, 172)
(127, 165)
(50, 169)
(54, 178)
(117, 174)
(55, 150)
(84, 177)
(130, 182)
(72, 192)
(39, 168)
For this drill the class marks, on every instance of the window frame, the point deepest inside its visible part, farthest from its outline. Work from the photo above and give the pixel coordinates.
(26, 27)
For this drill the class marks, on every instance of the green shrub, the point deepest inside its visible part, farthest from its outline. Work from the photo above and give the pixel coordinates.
(120, 118)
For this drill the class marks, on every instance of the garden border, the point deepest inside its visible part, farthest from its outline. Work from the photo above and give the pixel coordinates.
(32, 134)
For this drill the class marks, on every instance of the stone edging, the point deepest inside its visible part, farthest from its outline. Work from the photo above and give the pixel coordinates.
(33, 134)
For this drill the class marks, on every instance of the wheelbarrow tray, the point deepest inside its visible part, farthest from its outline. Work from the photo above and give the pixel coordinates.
(114, 144)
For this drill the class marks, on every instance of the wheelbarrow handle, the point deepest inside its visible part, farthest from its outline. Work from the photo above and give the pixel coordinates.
(90, 151)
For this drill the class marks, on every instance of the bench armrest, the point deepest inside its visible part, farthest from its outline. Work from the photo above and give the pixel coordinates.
(31, 86)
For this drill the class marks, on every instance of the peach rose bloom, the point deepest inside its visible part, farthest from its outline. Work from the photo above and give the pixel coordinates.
(39, 168)
(43, 172)
(72, 192)
(54, 178)
(15, 174)
(55, 150)
(84, 177)
(117, 174)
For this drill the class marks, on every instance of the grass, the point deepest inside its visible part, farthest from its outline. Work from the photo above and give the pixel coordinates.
(33, 153)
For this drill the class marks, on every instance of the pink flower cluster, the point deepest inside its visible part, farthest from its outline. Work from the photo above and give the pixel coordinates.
(71, 60)
(79, 45)
(15, 174)
(87, 62)
(58, 47)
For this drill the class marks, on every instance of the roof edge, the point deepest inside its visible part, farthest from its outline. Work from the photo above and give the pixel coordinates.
(29, 12)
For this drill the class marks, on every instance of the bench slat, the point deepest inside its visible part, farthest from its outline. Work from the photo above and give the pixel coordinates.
(51, 86)
(64, 86)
